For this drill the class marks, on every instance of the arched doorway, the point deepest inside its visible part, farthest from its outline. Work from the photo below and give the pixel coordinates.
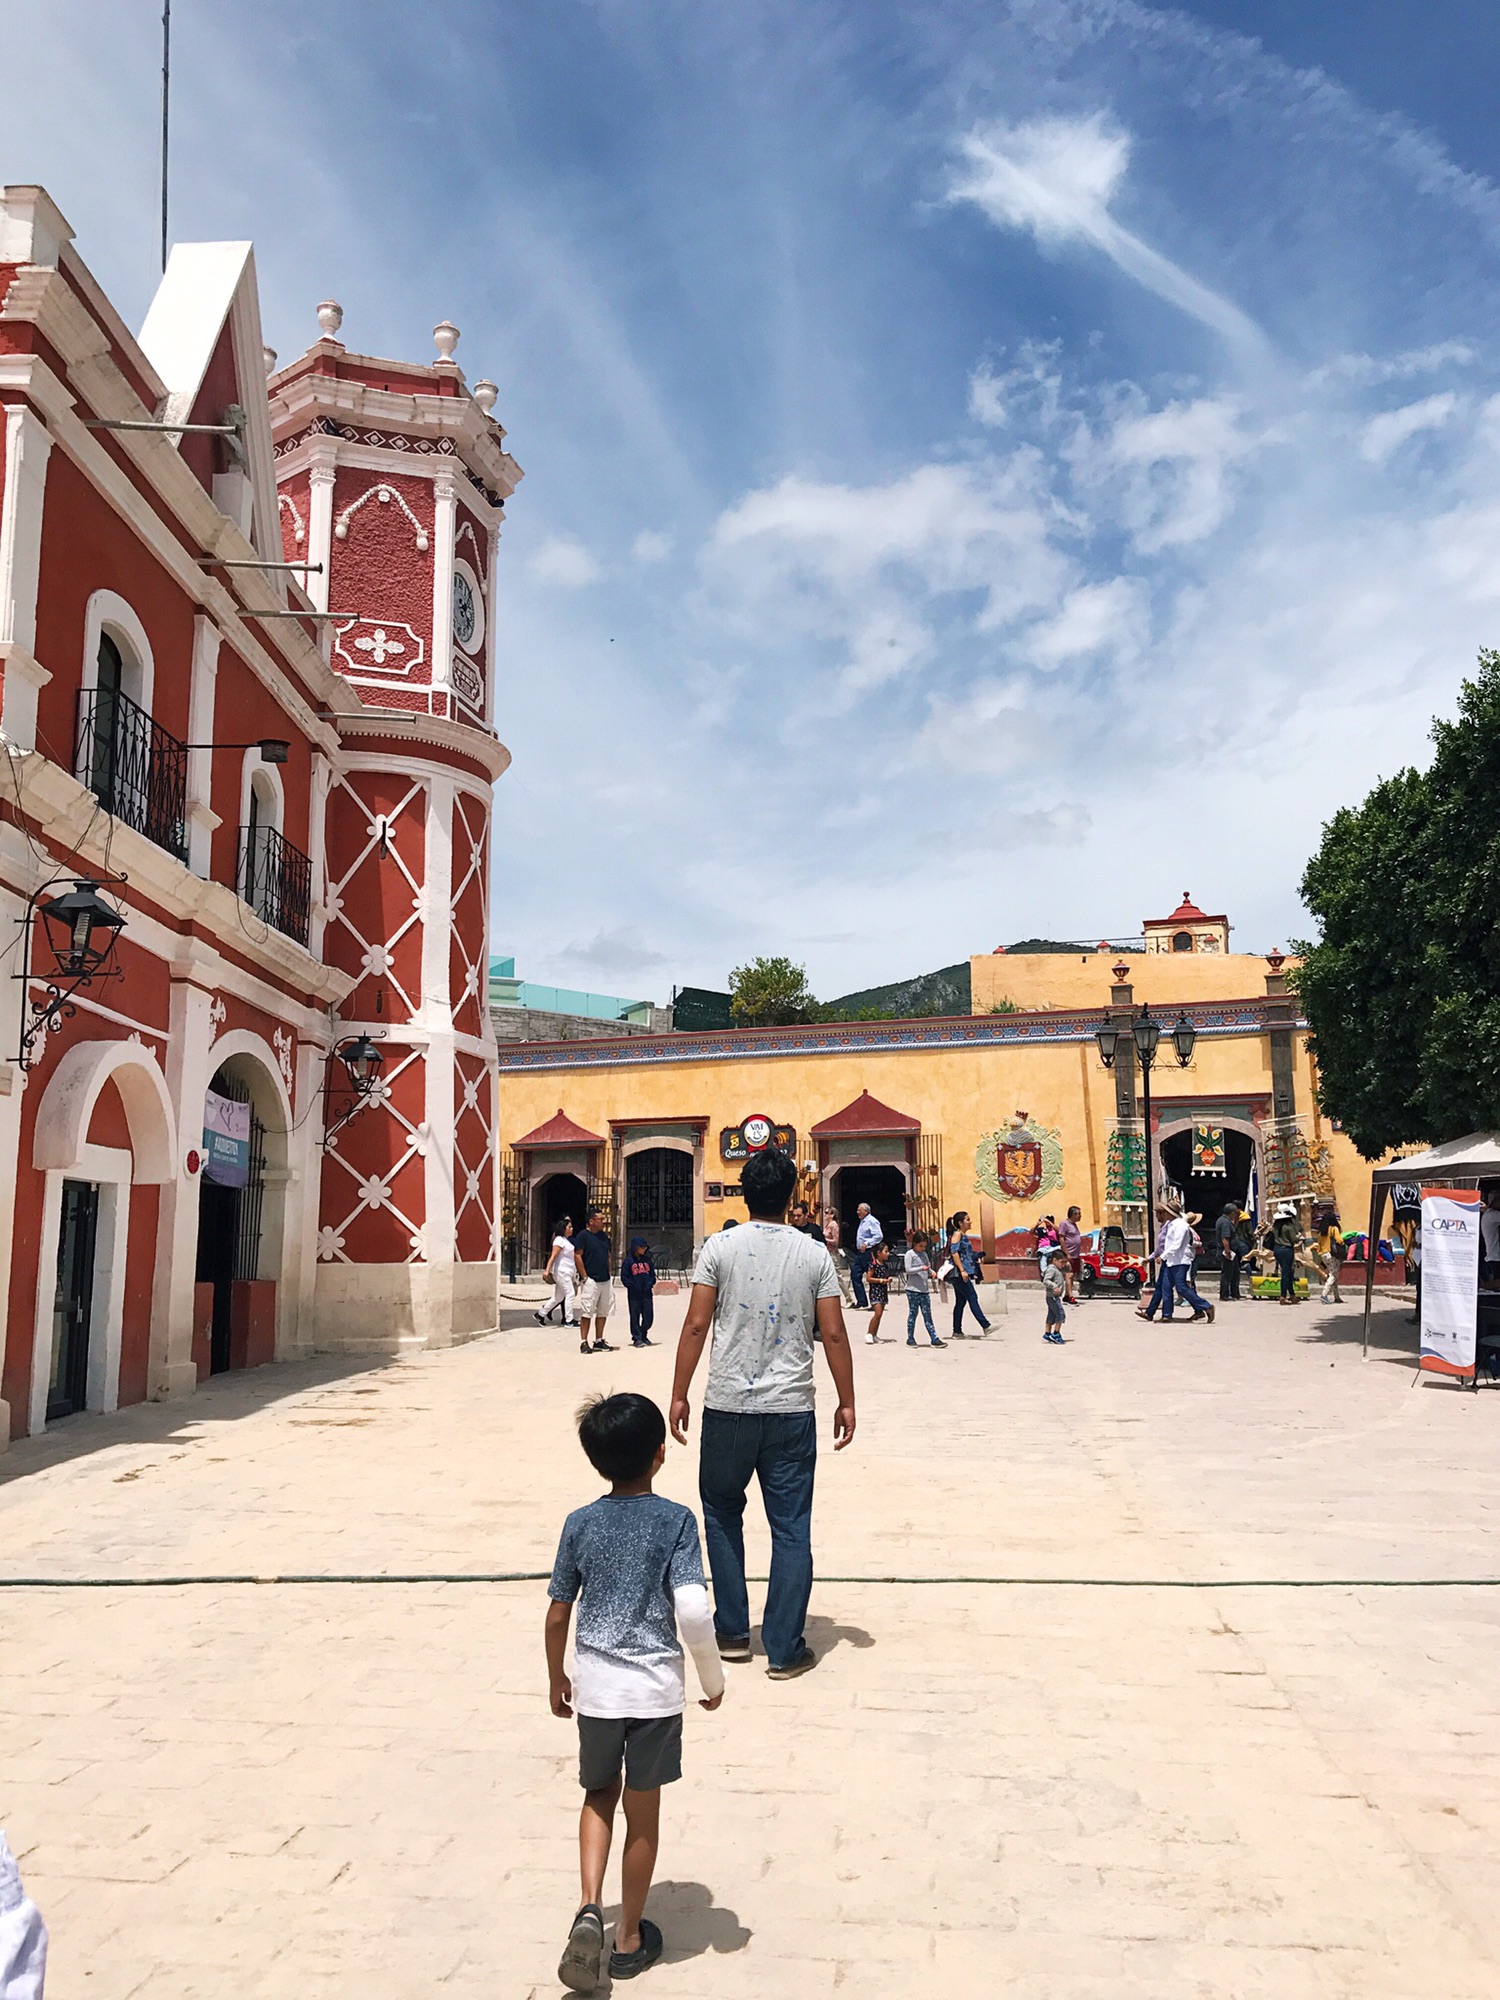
(241, 1216)
(884, 1188)
(659, 1202)
(1207, 1193)
(552, 1198)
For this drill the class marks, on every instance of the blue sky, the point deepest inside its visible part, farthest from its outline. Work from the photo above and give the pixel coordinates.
(989, 466)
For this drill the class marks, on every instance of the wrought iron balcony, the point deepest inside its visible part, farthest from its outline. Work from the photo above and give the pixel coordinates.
(276, 880)
(133, 767)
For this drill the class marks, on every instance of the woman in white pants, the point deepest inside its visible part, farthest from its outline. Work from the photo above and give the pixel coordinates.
(562, 1269)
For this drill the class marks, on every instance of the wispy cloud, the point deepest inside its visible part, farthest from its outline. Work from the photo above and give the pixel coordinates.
(565, 562)
(1056, 177)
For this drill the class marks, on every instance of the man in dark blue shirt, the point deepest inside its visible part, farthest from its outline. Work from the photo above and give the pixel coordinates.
(596, 1298)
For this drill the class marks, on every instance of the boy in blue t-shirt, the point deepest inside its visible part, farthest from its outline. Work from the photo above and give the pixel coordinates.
(633, 1564)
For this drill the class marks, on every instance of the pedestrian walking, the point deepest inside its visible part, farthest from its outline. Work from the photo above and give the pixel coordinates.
(1054, 1288)
(1489, 1239)
(596, 1295)
(1174, 1246)
(761, 1292)
(867, 1234)
(638, 1276)
(1070, 1236)
(1332, 1249)
(878, 1284)
(919, 1289)
(801, 1219)
(1229, 1234)
(631, 1562)
(562, 1274)
(968, 1266)
(1281, 1241)
(831, 1235)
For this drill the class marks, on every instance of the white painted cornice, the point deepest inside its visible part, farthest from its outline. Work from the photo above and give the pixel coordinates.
(476, 437)
(67, 815)
(396, 726)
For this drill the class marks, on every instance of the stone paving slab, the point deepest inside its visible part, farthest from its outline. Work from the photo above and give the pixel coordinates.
(1042, 1790)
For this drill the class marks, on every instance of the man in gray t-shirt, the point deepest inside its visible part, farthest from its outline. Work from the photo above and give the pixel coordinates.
(763, 1290)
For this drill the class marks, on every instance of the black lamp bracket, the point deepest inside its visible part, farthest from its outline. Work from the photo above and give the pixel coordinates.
(48, 1013)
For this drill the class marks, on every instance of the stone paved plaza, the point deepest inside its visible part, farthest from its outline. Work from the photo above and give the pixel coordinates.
(1050, 1791)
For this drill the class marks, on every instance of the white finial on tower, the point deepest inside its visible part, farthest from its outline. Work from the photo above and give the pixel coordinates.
(445, 339)
(268, 356)
(484, 394)
(330, 318)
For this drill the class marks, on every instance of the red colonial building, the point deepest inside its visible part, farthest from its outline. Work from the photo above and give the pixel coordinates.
(247, 647)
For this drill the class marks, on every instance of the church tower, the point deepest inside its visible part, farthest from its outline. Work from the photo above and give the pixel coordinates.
(392, 478)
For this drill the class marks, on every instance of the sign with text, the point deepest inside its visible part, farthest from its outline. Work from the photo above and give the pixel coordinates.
(226, 1141)
(1450, 1279)
(744, 1141)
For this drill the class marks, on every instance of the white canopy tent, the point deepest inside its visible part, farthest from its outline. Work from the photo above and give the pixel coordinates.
(1456, 1163)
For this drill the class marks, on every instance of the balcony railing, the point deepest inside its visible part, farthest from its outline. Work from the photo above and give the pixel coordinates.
(133, 767)
(276, 880)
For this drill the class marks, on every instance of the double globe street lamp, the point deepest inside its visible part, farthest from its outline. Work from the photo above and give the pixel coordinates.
(1145, 1031)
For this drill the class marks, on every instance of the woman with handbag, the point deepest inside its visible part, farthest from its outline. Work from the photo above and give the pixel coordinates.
(967, 1268)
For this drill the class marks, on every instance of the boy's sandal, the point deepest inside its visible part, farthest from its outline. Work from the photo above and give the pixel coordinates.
(583, 1954)
(629, 1964)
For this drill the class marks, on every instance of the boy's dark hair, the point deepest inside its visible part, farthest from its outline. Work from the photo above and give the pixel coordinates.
(621, 1435)
(767, 1183)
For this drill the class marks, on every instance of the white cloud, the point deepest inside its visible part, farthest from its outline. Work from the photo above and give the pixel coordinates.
(986, 399)
(1055, 177)
(651, 546)
(564, 562)
(1095, 618)
(1173, 468)
(1392, 428)
(619, 952)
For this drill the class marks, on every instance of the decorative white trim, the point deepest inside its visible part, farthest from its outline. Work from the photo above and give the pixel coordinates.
(384, 494)
(299, 525)
(321, 474)
(251, 769)
(445, 509)
(28, 447)
(202, 690)
(109, 1169)
(107, 611)
(374, 641)
(62, 1119)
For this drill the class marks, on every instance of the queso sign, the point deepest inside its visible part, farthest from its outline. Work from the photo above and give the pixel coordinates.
(752, 1135)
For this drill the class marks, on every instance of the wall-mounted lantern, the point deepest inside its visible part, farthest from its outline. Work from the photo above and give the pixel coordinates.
(81, 933)
(361, 1061)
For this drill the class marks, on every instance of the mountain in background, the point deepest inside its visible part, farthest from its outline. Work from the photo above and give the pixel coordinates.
(944, 992)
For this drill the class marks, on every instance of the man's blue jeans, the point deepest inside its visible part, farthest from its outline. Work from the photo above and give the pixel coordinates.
(1180, 1285)
(781, 1451)
(859, 1263)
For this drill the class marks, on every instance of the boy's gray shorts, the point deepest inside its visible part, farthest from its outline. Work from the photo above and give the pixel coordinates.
(650, 1748)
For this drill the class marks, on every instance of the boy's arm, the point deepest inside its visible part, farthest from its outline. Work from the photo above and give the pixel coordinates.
(695, 1327)
(696, 1624)
(559, 1617)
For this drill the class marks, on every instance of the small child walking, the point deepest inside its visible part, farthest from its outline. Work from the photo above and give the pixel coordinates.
(633, 1564)
(638, 1274)
(878, 1285)
(1054, 1284)
(919, 1288)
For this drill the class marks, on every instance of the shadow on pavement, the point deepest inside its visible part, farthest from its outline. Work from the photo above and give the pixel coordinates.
(1390, 1335)
(823, 1634)
(221, 1399)
(692, 1922)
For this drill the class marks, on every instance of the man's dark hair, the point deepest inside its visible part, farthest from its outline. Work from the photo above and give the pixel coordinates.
(596, 1215)
(767, 1183)
(621, 1435)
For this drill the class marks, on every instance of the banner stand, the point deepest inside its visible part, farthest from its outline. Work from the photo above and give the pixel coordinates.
(1450, 1283)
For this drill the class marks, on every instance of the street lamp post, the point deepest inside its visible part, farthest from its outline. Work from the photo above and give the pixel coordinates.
(1145, 1032)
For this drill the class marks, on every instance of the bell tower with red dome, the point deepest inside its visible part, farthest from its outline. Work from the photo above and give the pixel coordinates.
(392, 479)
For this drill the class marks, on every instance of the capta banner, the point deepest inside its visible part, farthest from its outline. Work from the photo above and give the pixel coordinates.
(1450, 1279)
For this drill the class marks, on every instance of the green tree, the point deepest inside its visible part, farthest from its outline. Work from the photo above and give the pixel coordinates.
(770, 993)
(1402, 988)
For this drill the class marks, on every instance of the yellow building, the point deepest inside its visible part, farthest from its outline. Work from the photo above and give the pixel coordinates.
(1008, 1111)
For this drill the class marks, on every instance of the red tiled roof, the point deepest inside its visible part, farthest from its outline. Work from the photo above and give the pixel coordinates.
(1187, 912)
(865, 1118)
(558, 1131)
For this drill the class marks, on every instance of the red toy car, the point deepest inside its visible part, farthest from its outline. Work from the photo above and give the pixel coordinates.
(1106, 1261)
